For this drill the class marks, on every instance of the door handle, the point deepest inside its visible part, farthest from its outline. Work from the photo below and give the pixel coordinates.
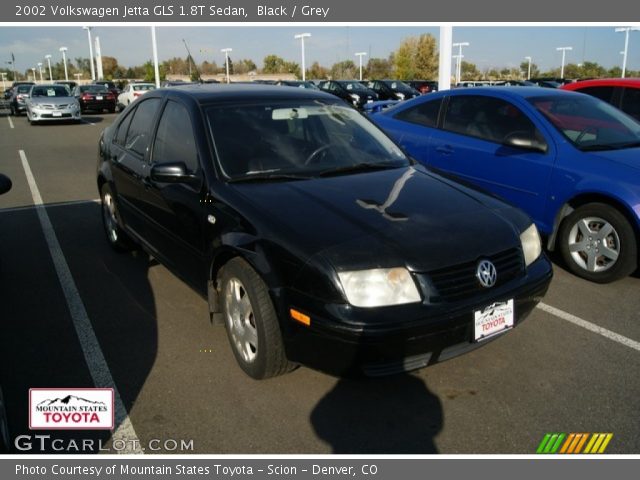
(445, 149)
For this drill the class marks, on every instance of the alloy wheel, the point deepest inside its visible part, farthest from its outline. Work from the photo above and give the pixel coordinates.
(594, 244)
(240, 320)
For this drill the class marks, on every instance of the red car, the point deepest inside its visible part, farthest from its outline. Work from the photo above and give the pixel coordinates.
(623, 93)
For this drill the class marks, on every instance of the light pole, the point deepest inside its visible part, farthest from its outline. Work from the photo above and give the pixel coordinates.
(564, 51)
(33, 69)
(360, 55)
(40, 69)
(64, 60)
(529, 69)
(626, 31)
(154, 45)
(459, 59)
(4, 77)
(226, 60)
(48, 57)
(93, 70)
(78, 76)
(302, 36)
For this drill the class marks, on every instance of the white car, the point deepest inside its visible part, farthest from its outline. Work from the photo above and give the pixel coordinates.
(131, 92)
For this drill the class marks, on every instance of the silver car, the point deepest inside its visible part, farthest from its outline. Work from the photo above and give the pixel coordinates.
(48, 103)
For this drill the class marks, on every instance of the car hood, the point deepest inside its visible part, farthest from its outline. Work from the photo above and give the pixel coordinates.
(628, 156)
(51, 100)
(405, 216)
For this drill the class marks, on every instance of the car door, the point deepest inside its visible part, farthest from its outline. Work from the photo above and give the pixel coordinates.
(475, 143)
(129, 154)
(630, 103)
(175, 211)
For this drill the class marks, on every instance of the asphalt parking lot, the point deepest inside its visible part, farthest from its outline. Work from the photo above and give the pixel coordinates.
(563, 370)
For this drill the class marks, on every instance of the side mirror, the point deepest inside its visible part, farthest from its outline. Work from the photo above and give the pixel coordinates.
(171, 173)
(525, 143)
(5, 184)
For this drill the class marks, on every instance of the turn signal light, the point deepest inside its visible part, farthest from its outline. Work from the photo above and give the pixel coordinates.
(300, 317)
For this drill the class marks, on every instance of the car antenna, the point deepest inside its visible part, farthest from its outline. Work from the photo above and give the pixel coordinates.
(191, 60)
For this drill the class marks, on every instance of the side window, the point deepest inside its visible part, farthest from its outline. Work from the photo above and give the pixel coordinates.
(425, 114)
(631, 102)
(121, 136)
(140, 127)
(603, 93)
(488, 118)
(175, 141)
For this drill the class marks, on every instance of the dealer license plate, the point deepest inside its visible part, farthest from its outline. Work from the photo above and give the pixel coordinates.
(492, 320)
(98, 98)
(56, 114)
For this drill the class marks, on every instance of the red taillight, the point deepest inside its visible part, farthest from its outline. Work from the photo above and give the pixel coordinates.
(110, 96)
(136, 94)
(86, 96)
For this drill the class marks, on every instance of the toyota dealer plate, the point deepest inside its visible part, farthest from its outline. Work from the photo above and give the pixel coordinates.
(56, 114)
(98, 98)
(494, 319)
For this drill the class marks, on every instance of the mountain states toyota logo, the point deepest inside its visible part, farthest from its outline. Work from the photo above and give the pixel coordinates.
(71, 409)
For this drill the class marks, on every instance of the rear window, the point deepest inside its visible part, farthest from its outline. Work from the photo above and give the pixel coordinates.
(23, 88)
(93, 89)
(50, 91)
(143, 88)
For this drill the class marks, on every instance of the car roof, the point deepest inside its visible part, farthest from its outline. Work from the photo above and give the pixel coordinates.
(603, 82)
(208, 93)
(523, 92)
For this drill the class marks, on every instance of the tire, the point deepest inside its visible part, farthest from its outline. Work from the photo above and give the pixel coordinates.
(117, 238)
(256, 340)
(112, 110)
(580, 235)
(5, 437)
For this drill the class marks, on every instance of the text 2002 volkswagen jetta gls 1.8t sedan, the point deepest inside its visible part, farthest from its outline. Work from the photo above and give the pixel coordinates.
(314, 238)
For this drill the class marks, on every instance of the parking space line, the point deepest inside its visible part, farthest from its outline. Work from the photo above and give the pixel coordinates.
(50, 205)
(86, 122)
(88, 341)
(592, 327)
(10, 121)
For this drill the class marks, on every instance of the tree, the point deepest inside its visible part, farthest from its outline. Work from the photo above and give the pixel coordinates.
(469, 71)
(378, 68)
(110, 68)
(416, 58)
(149, 73)
(345, 70)
(317, 71)
(275, 64)
(524, 67)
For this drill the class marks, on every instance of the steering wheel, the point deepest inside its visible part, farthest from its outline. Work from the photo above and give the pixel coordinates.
(587, 129)
(317, 152)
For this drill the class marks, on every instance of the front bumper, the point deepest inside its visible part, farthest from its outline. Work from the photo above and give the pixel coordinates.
(418, 335)
(98, 104)
(54, 115)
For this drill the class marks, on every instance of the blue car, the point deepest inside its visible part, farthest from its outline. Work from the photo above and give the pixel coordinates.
(570, 160)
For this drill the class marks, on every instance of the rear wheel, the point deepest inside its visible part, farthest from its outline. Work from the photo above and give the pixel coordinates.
(251, 321)
(598, 243)
(116, 237)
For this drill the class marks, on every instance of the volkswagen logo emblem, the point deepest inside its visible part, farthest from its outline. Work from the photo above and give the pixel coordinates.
(486, 273)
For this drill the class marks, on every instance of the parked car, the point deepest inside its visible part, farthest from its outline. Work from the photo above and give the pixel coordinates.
(133, 91)
(514, 83)
(5, 438)
(297, 83)
(569, 160)
(70, 84)
(50, 103)
(313, 236)
(19, 96)
(391, 89)
(7, 93)
(111, 86)
(623, 93)
(378, 106)
(351, 91)
(95, 98)
(424, 86)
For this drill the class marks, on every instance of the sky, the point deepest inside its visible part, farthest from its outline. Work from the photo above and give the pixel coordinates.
(489, 47)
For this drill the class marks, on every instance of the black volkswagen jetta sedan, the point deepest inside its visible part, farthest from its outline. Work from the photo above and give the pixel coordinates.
(315, 239)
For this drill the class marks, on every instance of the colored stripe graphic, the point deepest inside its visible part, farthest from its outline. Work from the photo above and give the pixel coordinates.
(573, 443)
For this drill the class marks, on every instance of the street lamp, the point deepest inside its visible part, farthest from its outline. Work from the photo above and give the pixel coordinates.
(360, 55)
(459, 59)
(33, 69)
(78, 76)
(4, 77)
(40, 69)
(626, 31)
(564, 51)
(93, 71)
(529, 69)
(64, 60)
(48, 57)
(302, 36)
(226, 60)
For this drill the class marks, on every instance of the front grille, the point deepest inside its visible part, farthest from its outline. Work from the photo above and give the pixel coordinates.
(50, 115)
(459, 282)
(48, 106)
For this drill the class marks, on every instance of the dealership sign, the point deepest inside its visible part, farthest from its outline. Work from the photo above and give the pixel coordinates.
(71, 409)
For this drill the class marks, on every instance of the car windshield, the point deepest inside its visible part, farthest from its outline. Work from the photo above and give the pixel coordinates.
(143, 87)
(353, 86)
(23, 88)
(398, 86)
(589, 123)
(50, 91)
(297, 140)
(94, 89)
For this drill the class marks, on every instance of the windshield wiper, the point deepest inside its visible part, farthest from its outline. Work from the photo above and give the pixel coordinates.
(268, 176)
(358, 167)
(630, 145)
(619, 146)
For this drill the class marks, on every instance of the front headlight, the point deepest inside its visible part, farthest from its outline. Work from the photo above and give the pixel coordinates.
(400, 95)
(379, 287)
(355, 96)
(531, 246)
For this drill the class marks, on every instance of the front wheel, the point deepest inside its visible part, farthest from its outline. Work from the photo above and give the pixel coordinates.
(251, 321)
(117, 238)
(598, 243)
